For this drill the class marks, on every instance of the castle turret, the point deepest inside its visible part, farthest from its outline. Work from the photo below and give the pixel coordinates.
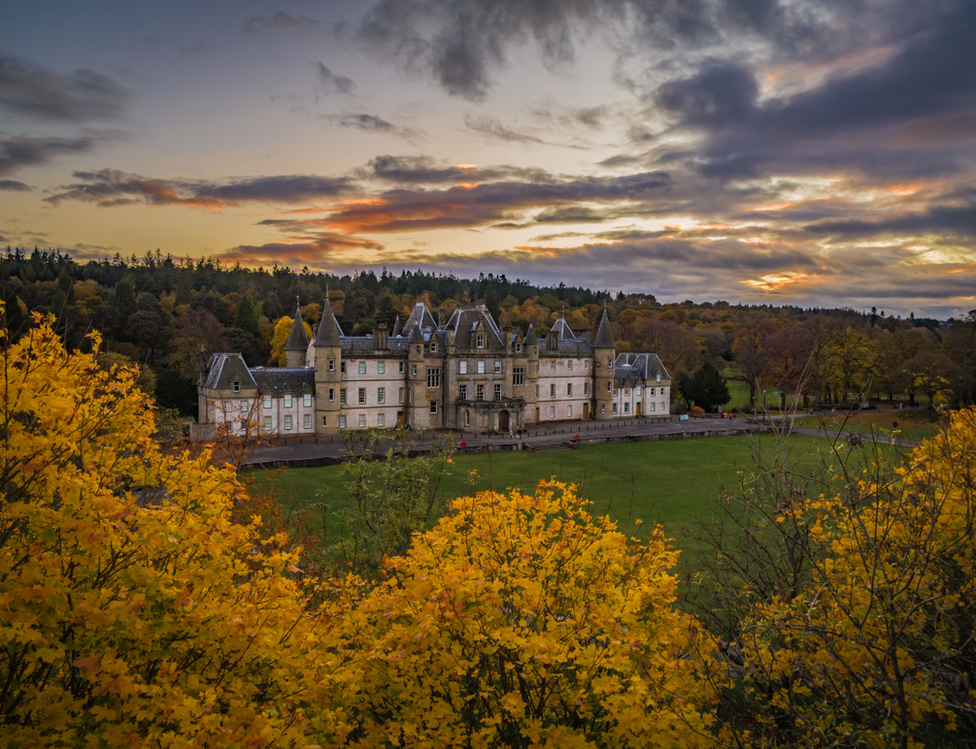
(603, 355)
(530, 348)
(417, 403)
(326, 356)
(297, 345)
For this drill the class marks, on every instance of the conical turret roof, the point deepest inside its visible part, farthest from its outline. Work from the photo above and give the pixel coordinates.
(328, 331)
(297, 338)
(530, 337)
(604, 335)
(396, 328)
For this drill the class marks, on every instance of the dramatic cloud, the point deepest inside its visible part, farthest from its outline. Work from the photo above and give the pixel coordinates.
(21, 151)
(460, 42)
(42, 93)
(907, 115)
(329, 83)
(940, 219)
(14, 186)
(110, 187)
(479, 204)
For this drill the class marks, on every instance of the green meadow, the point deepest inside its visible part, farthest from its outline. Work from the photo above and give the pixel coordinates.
(671, 482)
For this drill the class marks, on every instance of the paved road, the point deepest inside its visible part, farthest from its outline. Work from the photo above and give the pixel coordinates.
(536, 438)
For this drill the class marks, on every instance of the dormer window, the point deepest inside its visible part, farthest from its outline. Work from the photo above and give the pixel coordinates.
(518, 348)
(237, 386)
(480, 340)
(433, 347)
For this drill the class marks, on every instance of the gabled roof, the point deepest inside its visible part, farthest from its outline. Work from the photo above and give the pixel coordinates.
(328, 332)
(421, 318)
(604, 335)
(224, 369)
(646, 366)
(464, 322)
(297, 338)
(561, 329)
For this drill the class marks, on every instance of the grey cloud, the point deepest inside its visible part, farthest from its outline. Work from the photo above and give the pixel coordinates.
(425, 170)
(941, 219)
(282, 21)
(570, 214)
(459, 43)
(911, 115)
(109, 187)
(370, 123)
(331, 83)
(21, 151)
(492, 202)
(41, 93)
(490, 126)
(720, 95)
(14, 186)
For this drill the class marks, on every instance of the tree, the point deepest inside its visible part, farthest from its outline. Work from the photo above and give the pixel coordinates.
(132, 610)
(522, 620)
(705, 388)
(876, 647)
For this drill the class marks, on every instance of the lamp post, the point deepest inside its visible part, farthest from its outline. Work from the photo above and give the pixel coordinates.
(764, 405)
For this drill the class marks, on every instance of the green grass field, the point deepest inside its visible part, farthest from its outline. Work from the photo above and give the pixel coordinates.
(671, 482)
(912, 424)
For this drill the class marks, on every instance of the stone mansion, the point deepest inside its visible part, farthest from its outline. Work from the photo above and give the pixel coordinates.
(466, 375)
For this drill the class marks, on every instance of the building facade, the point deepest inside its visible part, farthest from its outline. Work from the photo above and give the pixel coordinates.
(466, 375)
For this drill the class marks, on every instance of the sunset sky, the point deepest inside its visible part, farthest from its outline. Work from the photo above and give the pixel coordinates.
(814, 153)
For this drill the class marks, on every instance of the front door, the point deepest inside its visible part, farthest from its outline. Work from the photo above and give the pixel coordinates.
(537, 416)
(638, 409)
(400, 422)
(503, 421)
(586, 411)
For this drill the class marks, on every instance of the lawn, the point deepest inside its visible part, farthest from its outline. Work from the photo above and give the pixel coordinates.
(672, 482)
(910, 424)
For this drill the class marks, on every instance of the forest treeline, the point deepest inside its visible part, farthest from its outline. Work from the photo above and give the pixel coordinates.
(160, 312)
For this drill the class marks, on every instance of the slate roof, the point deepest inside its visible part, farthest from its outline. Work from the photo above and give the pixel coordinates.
(604, 335)
(297, 338)
(561, 329)
(277, 380)
(328, 332)
(635, 367)
(224, 369)
(421, 318)
(465, 321)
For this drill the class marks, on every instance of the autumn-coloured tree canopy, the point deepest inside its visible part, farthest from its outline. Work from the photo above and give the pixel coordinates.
(134, 611)
(159, 311)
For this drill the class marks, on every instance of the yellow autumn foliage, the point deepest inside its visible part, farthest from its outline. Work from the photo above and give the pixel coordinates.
(132, 611)
(878, 649)
(521, 621)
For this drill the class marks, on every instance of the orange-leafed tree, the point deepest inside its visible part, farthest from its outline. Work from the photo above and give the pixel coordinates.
(133, 612)
(520, 621)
